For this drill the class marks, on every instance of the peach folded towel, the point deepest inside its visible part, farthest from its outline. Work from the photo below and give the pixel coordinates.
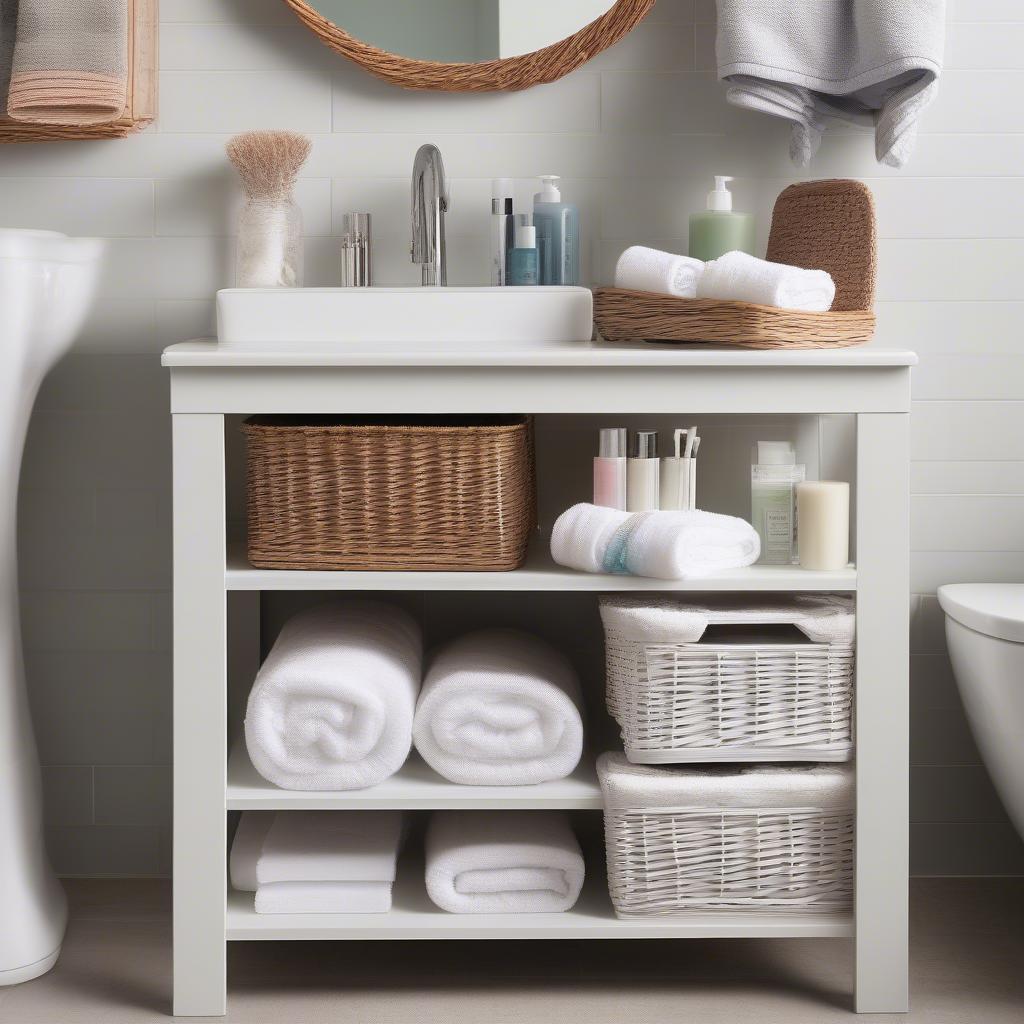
(70, 62)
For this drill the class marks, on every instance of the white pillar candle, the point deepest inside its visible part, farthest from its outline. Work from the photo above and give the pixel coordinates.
(823, 524)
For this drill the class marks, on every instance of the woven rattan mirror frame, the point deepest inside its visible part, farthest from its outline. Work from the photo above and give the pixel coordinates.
(508, 73)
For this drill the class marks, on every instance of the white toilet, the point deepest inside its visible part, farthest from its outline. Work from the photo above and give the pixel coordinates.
(985, 633)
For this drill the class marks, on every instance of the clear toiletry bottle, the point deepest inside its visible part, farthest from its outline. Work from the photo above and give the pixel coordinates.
(522, 265)
(719, 229)
(356, 250)
(558, 234)
(773, 479)
(643, 470)
(610, 469)
(502, 230)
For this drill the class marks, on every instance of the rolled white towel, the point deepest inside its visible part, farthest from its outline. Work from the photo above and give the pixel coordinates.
(332, 705)
(500, 707)
(324, 898)
(651, 270)
(504, 862)
(744, 278)
(663, 545)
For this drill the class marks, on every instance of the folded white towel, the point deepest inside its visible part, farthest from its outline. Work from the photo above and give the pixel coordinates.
(652, 618)
(332, 706)
(252, 829)
(324, 898)
(651, 270)
(500, 707)
(744, 278)
(504, 862)
(331, 846)
(633, 786)
(665, 545)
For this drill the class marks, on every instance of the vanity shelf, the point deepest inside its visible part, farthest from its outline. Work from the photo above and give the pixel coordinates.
(539, 573)
(217, 613)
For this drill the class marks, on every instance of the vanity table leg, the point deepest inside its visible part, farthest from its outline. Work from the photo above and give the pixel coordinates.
(200, 695)
(882, 709)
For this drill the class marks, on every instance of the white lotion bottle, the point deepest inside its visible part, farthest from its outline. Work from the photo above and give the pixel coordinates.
(643, 470)
(610, 469)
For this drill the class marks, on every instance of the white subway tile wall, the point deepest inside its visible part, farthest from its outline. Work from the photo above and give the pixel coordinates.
(636, 133)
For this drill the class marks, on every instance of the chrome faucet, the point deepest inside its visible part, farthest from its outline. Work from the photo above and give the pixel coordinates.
(429, 205)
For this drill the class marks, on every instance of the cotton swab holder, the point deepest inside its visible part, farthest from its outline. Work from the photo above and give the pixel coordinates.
(678, 485)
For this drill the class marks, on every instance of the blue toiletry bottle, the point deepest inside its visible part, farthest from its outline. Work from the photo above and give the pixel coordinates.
(558, 234)
(523, 262)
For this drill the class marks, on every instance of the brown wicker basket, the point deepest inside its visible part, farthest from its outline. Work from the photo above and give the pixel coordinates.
(420, 493)
(821, 225)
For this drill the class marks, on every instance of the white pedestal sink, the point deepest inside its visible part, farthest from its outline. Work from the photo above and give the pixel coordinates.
(46, 285)
(266, 317)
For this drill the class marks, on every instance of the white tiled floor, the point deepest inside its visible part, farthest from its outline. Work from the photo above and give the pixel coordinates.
(968, 950)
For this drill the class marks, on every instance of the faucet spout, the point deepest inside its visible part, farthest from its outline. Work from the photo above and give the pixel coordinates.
(430, 203)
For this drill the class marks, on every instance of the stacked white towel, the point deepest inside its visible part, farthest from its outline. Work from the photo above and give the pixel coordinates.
(317, 862)
(651, 270)
(653, 618)
(505, 862)
(628, 786)
(500, 707)
(744, 278)
(664, 545)
(332, 706)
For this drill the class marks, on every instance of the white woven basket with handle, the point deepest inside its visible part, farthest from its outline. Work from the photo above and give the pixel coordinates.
(693, 682)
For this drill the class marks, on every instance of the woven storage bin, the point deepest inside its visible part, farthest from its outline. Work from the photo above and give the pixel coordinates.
(419, 494)
(685, 840)
(819, 225)
(695, 683)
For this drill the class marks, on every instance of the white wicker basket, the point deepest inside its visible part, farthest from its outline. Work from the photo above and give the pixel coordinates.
(690, 858)
(682, 692)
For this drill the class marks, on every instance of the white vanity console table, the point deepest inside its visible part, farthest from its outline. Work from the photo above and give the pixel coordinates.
(216, 623)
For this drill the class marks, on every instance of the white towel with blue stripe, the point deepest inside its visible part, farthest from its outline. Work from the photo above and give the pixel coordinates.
(663, 545)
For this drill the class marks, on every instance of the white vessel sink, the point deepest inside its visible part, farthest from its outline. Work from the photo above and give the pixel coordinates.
(268, 317)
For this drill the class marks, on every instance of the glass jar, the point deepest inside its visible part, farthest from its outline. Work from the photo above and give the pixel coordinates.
(270, 244)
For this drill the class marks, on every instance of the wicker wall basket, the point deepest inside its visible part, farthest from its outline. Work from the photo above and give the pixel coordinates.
(820, 225)
(421, 494)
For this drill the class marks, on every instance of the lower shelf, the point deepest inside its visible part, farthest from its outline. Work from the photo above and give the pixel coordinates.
(413, 916)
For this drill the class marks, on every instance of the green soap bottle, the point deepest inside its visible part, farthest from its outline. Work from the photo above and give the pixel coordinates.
(719, 230)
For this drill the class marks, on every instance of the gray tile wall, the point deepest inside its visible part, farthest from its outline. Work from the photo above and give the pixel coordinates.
(636, 133)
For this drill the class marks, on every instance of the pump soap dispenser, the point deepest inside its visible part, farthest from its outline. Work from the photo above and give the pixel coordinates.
(719, 230)
(558, 234)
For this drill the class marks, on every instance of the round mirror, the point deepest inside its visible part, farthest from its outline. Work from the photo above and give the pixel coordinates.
(470, 44)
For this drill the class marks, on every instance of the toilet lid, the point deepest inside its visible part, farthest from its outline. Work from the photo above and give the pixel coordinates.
(995, 609)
